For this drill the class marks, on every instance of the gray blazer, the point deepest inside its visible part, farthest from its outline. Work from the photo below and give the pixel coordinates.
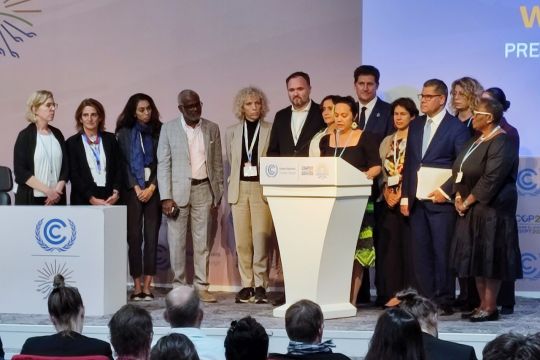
(234, 154)
(174, 170)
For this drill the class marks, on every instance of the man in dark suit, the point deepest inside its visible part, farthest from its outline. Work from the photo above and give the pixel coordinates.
(434, 141)
(374, 113)
(295, 125)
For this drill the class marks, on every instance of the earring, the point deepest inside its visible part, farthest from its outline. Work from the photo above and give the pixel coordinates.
(354, 125)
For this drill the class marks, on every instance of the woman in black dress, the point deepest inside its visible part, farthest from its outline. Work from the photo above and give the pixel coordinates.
(94, 158)
(360, 149)
(485, 244)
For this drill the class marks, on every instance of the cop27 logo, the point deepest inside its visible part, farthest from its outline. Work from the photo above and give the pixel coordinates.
(528, 182)
(13, 25)
(271, 170)
(55, 235)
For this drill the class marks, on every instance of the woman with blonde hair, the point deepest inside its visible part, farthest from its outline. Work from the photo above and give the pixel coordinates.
(39, 160)
(465, 93)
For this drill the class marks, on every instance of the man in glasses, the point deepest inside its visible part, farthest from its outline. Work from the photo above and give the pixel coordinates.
(434, 141)
(190, 179)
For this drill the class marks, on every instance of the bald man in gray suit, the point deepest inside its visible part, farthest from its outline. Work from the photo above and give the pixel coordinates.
(190, 179)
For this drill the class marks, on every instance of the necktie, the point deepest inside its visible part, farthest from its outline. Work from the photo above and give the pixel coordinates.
(362, 123)
(427, 135)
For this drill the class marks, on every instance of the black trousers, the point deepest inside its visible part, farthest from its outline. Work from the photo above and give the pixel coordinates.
(143, 222)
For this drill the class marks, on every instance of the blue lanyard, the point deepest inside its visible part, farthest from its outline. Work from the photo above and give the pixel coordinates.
(96, 150)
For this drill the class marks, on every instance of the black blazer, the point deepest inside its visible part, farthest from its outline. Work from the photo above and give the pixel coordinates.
(23, 162)
(281, 138)
(82, 183)
(62, 344)
(380, 120)
(437, 349)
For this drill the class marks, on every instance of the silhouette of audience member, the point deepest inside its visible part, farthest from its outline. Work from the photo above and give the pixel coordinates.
(66, 311)
(131, 333)
(425, 312)
(174, 347)
(513, 346)
(246, 340)
(304, 323)
(397, 336)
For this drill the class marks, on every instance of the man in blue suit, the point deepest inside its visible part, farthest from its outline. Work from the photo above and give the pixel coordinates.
(434, 141)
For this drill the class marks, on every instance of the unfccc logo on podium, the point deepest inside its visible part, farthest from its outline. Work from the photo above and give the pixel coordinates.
(55, 234)
(528, 182)
(271, 170)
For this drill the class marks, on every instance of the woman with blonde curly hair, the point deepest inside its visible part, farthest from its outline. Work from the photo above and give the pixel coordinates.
(247, 142)
(466, 92)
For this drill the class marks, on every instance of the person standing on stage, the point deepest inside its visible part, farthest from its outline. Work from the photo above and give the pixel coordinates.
(327, 112)
(94, 158)
(434, 141)
(40, 162)
(465, 93)
(137, 130)
(295, 126)
(190, 177)
(247, 142)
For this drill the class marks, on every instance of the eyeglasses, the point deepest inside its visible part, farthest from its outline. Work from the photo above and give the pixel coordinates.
(427, 96)
(481, 113)
(51, 105)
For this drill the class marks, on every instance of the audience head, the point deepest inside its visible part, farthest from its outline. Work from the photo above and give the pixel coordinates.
(131, 332)
(327, 109)
(397, 336)
(298, 89)
(403, 110)
(422, 308)
(139, 108)
(174, 347)
(66, 307)
(40, 106)
(496, 93)
(246, 340)
(466, 92)
(90, 114)
(513, 347)
(190, 105)
(304, 322)
(366, 82)
(494, 112)
(250, 103)
(183, 307)
(433, 97)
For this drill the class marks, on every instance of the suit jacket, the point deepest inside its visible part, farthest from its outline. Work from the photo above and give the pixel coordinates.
(174, 169)
(23, 162)
(281, 137)
(380, 120)
(437, 349)
(72, 344)
(83, 186)
(234, 138)
(443, 149)
(124, 142)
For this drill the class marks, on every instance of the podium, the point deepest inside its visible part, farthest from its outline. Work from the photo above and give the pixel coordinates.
(86, 244)
(317, 205)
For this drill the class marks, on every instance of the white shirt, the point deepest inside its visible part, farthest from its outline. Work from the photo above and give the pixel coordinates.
(208, 348)
(437, 119)
(369, 109)
(197, 153)
(91, 151)
(298, 119)
(47, 161)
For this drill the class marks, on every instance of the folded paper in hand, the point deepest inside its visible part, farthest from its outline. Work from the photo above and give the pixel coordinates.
(429, 179)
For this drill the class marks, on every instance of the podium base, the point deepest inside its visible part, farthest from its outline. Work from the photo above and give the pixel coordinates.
(330, 311)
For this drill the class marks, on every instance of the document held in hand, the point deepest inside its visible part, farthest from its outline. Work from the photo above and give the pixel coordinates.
(429, 179)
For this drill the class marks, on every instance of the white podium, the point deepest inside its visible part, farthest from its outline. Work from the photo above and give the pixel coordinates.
(86, 244)
(317, 205)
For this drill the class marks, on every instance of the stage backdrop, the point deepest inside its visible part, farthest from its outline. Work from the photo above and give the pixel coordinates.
(110, 49)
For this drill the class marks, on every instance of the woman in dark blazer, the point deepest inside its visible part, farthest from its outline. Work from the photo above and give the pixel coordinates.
(137, 131)
(93, 158)
(39, 158)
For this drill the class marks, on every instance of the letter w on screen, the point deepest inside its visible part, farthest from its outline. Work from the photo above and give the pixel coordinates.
(529, 18)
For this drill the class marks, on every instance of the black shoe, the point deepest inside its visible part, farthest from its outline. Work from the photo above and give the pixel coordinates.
(245, 295)
(482, 316)
(147, 297)
(446, 310)
(260, 295)
(469, 314)
(507, 310)
(137, 297)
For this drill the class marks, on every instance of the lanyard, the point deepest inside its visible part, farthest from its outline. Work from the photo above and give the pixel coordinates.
(249, 150)
(344, 147)
(96, 150)
(142, 145)
(475, 145)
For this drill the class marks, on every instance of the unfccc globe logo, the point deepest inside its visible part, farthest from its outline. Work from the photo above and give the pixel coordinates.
(528, 182)
(271, 170)
(55, 234)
